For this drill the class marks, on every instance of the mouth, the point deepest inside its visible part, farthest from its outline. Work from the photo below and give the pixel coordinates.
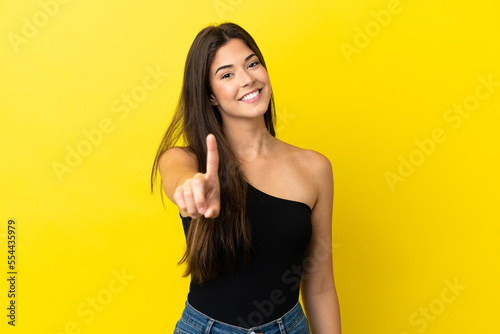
(252, 96)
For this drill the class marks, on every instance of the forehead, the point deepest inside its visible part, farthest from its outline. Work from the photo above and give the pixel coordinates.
(233, 52)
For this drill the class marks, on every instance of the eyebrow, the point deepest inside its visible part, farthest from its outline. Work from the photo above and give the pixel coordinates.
(227, 66)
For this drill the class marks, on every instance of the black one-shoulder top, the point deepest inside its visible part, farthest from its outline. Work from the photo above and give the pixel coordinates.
(265, 291)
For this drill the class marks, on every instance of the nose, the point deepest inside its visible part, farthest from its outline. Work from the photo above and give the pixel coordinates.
(246, 78)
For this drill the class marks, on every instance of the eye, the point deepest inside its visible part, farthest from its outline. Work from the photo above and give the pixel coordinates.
(227, 75)
(253, 64)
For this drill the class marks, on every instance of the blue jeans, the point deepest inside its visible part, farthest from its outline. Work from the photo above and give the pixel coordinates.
(195, 322)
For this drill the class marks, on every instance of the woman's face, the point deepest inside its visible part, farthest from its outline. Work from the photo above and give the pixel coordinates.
(240, 84)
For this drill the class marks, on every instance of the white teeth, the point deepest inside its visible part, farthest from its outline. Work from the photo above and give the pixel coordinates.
(250, 96)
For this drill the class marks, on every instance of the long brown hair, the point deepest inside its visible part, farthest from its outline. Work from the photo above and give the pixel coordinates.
(212, 243)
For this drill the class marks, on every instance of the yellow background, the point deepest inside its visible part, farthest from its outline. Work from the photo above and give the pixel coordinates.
(395, 247)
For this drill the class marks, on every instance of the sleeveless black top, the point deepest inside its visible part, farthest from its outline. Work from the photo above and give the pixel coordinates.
(265, 291)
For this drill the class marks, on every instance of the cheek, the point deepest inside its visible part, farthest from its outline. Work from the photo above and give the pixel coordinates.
(263, 76)
(224, 92)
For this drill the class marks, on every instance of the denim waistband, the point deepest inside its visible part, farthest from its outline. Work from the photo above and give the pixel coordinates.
(207, 324)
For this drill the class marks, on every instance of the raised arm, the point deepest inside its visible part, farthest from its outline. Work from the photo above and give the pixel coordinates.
(193, 192)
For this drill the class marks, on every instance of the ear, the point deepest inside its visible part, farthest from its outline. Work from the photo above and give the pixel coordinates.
(213, 100)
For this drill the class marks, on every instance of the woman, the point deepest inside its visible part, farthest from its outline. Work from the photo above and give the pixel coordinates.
(256, 211)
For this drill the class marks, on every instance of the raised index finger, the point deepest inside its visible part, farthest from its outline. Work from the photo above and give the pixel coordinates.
(212, 156)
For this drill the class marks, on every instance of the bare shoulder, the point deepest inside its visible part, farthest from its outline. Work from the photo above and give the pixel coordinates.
(315, 160)
(314, 164)
(172, 165)
(316, 174)
(177, 156)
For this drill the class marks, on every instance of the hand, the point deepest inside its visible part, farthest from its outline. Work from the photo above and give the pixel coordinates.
(200, 195)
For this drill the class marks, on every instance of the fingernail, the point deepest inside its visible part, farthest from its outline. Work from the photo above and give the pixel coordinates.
(202, 210)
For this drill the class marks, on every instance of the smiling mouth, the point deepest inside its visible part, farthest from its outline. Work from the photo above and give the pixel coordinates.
(251, 95)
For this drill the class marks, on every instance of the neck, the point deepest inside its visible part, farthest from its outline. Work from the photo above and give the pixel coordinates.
(249, 139)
